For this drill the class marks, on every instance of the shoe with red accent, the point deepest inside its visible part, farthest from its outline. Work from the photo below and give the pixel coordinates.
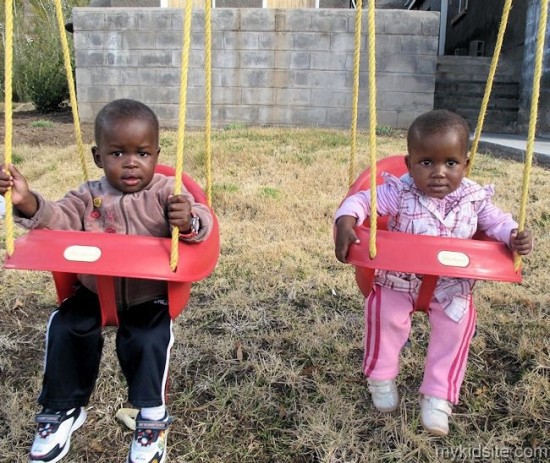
(384, 394)
(149, 443)
(53, 434)
(434, 415)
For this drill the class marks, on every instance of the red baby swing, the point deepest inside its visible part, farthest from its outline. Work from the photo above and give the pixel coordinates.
(107, 256)
(431, 257)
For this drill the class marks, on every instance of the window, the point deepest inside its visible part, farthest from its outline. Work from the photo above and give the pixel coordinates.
(461, 10)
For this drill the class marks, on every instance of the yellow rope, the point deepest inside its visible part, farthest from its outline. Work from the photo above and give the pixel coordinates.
(208, 96)
(72, 90)
(181, 123)
(372, 127)
(8, 112)
(489, 85)
(354, 109)
(539, 53)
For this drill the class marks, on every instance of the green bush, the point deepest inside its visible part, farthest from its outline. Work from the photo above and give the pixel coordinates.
(38, 68)
(46, 82)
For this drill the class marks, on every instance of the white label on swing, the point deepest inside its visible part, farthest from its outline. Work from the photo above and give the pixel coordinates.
(82, 253)
(453, 259)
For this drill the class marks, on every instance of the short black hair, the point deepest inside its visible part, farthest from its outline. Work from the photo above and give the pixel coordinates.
(124, 108)
(436, 122)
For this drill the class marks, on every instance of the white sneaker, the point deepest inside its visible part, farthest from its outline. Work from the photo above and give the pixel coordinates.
(434, 415)
(384, 394)
(149, 443)
(53, 434)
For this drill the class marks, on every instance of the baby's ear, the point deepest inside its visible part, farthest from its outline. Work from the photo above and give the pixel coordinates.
(408, 161)
(97, 157)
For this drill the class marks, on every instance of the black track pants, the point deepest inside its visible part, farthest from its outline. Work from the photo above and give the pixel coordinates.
(74, 342)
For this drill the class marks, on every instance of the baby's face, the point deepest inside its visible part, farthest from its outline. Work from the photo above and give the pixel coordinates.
(438, 163)
(128, 151)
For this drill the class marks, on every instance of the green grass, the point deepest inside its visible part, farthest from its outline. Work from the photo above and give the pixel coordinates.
(266, 367)
(43, 124)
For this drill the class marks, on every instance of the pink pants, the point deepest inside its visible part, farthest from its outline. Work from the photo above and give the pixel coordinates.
(387, 327)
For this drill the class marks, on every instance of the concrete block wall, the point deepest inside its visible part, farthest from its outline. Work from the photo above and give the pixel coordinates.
(290, 68)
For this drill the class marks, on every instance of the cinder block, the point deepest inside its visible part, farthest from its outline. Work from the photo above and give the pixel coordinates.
(89, 19)
(88, 59)
(289, 96)
(332, 21)
(138, 40)
(261, 59)
(331, 61)
(311, 41)
(280, 41)
(153, 18)
(309, 117)
(398, 22)
(138, 76)
(164, 76)
(159, 94)
(258, 96)
(167, 39)
(420, 45)
(239, 40)
(295, 20)
(257, 19)
(226, 19)
(120, 20)
(386, 62)
(227, 95)
(430, 24)
(275, 115)
(342, 43)
(121, 58)
(333, 99)
(339, 117)
(155, 58)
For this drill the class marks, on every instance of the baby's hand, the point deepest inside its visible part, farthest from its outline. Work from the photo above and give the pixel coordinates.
(345, 236)
(5, 180)
(179, 212)
(21, 197)
(521, 242)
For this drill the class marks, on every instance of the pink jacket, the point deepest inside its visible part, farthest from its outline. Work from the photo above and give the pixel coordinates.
(98, 207)
(459, 214)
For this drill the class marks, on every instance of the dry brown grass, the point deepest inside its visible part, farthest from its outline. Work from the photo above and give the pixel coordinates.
(267, 363)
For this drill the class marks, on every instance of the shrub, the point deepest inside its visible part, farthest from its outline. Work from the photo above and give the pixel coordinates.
(46, 82)
(38, 69)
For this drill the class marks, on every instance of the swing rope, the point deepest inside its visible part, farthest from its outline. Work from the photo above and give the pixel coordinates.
(8, 110)
(372, 110)
(208, 96)
(539, 52)
(372, 127)
(354, 109)
(489, 85)
(181, 123)
(72, 90)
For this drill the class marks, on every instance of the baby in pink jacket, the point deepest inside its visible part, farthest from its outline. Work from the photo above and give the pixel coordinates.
(436, 199)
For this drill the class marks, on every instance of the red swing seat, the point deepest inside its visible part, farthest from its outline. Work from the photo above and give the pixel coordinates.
(480, 258)
(108, 255)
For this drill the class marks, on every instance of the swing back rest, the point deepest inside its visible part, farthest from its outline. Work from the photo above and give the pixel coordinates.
(108, 256)
(429, 256)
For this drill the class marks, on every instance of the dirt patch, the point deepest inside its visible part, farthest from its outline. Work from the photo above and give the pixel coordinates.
(53, 129)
